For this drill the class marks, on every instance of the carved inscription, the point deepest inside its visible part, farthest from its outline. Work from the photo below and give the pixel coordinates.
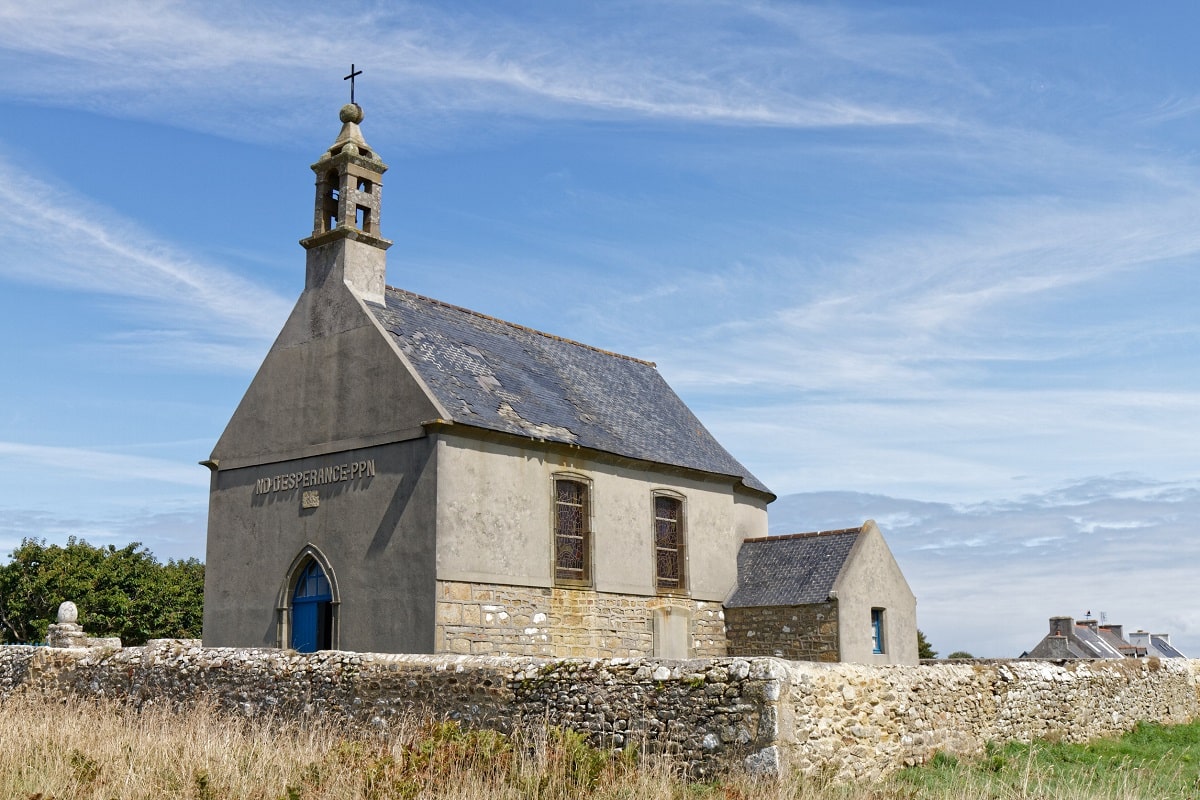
(351, 471)
(310, 499)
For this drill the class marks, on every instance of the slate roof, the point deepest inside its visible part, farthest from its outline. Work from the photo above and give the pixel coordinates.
(1165, 648)
(1124, 647)
(1093, 644)
(791, 570)
(496, 375)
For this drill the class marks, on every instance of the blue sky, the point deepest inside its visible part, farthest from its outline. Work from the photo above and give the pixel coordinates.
(930, 263)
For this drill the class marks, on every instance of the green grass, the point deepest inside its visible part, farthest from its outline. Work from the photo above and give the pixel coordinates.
(1152, 761)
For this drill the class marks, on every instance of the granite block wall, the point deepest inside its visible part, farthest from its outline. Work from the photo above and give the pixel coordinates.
(486, 619)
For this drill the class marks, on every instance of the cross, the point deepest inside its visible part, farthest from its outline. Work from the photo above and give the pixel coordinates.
(350, 78)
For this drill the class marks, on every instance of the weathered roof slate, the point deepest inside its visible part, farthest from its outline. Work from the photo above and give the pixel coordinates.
(499, 376)
(791, 570)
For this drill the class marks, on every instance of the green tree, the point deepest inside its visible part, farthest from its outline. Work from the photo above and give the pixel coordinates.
(122, 592)
(960, 654)
(924, 649)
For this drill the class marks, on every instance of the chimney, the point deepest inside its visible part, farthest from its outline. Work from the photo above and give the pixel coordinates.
(1140, 639)
(1090, 624)
(1116, 630)
(1060, 626)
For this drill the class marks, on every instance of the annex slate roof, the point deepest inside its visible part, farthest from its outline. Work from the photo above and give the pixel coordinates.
(496, 375)
(791, 570)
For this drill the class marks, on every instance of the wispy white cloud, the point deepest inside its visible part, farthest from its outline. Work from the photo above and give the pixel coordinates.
(94, 465)
(229, 68)
(216, 318)
(965, 443)
(907, 301)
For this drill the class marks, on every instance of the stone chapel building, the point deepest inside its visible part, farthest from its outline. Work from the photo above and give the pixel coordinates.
(404, 475)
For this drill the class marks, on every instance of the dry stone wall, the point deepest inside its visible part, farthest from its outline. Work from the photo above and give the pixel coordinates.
(764, 714)
(711, 714)
(861, 722)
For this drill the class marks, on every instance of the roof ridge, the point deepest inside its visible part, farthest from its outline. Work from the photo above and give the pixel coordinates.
(810, 535)
(518, 326)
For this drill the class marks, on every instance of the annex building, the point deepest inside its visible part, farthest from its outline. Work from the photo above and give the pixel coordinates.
(404, 475)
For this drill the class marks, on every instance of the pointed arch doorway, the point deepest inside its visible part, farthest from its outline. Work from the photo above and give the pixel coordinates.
(310, 603)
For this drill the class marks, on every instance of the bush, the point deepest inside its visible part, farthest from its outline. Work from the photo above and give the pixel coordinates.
(122, 592)
(924, 649)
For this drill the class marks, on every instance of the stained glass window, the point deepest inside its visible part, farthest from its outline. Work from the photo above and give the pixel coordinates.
(571, 531)
(668, 542)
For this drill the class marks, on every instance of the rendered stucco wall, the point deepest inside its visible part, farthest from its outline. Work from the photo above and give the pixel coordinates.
(331, 381)
(316, 407)
(376, 530)
(495, 519)
(872, 579)
(750, 517)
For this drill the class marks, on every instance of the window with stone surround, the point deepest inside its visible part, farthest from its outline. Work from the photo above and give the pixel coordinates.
(877, 631)
(669, 543)
(572, 532)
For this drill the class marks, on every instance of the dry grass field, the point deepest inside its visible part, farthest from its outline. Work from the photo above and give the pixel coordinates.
(100, 750)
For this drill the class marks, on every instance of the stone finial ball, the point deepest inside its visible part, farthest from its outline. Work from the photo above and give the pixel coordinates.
(351, 112)
(67, 613)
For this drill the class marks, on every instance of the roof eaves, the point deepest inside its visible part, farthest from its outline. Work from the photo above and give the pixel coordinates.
(809, 535)
(486, 432)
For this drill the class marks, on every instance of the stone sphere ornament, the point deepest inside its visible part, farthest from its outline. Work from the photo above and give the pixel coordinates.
(351, 112)
(68, 613)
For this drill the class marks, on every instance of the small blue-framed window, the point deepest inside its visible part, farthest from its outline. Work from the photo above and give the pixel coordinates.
(877, 630)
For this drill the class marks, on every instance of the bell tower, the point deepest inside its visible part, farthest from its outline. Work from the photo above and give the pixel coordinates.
(346, 243)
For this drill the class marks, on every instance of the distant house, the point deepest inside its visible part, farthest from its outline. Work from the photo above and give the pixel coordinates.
(826, 596)
(1154, 644)
(1088, 638)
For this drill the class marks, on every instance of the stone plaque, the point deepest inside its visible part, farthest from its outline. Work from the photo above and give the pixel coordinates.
(310, 499)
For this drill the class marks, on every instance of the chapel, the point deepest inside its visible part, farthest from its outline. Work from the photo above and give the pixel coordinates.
(404, 475)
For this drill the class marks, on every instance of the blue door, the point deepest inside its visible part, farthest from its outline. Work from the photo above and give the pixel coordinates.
(312, 611)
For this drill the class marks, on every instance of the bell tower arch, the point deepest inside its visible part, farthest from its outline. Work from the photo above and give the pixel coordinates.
(346, 240)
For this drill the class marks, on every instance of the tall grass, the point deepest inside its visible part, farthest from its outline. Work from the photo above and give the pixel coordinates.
(101, 749)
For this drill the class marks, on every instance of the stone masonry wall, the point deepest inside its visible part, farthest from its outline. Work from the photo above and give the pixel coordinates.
(857, 721)
(764, 714)
(711, 714)
(485, 619)
(797, 633)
